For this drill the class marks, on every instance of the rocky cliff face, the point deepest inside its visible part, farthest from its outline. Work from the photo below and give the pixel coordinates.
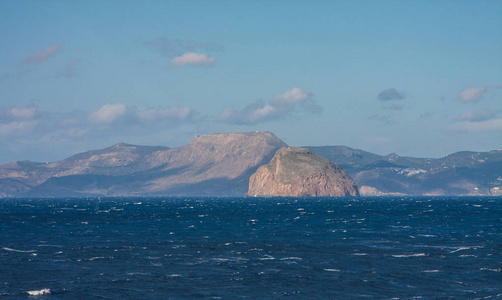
(295, 172)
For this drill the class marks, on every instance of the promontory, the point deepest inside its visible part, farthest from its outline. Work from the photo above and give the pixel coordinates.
(297, 172)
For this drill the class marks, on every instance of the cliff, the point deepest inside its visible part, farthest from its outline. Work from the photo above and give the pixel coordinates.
(297, 172)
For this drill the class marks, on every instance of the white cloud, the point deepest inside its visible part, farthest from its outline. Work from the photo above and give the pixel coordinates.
(476, 115)
(165, 114)
(170, 47)
(192, 59)
(122, 116)
(45, 54)
(481, 126)
(279, 107)
(263, 113)
(293, 96)
(472, 94)
(27, 112)
(108, 113)
(17, 128)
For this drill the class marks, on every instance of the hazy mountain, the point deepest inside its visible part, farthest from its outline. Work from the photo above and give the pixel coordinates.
(216, 164)
(221, 165)
(461, 173)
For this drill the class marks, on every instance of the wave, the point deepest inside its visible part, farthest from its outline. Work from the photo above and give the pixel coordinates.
(16, 250)
(409, 255)
(39, 292)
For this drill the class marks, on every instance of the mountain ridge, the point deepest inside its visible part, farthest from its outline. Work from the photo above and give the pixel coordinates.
(221, 165)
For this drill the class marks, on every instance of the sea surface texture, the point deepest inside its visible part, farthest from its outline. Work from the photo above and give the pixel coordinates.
(257, 248)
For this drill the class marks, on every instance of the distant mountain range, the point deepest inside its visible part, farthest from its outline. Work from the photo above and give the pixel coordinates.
(461, 173)
(221, 165)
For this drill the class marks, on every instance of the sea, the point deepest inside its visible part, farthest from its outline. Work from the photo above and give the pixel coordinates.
(251, 248)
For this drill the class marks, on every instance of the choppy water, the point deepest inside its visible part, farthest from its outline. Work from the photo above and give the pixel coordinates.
(259, 248)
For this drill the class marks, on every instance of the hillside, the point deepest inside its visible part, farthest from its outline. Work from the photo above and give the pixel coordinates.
(222, 164)
(216, 164)
(461, 173)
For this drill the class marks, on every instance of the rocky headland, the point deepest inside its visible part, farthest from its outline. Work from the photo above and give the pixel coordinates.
(297, 172)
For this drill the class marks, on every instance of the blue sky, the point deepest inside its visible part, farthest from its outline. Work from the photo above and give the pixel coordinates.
(418, 78)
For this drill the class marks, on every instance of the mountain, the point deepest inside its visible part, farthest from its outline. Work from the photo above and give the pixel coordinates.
(215, 164)
(222, 164)
(295, 172)
(461, 173)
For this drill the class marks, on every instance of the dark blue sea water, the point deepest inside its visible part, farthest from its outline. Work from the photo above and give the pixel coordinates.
(258, 248)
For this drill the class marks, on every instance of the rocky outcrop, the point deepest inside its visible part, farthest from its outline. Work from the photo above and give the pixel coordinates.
(297, 172)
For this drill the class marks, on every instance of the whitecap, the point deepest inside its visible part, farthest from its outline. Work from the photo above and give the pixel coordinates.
(220, 259)
(96, 257)
(39, 292)
(409, 255)
(267, 257)
(332, 270)
(291, 258)
(138, 273)
(465, 248)
(16, 250)
(360, 254)
(430, 271)
(493, 270)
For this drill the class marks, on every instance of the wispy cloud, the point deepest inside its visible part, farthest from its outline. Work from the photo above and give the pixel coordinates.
(192, 59)
(395, 107)
(387, 120)
(29, 123)
(279, 107)
(40, 56)
(476, 94)
(176, 47)
(108, 113)
(293, 96)
(480, 126)
(18, 120)
(472, 94)
(391, 94)
(476, 115)
(70, 69)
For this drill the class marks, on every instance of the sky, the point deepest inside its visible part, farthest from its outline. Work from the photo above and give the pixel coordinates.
(416, 78)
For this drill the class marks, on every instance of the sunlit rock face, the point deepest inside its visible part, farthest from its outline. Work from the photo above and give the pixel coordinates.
(297, 172)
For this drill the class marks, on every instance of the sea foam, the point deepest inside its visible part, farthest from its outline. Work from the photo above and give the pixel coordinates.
(39, 292)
